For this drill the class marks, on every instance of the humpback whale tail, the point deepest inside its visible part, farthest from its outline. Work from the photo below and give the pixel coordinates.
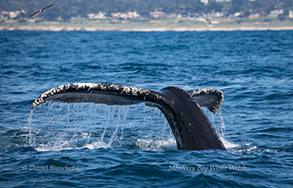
(190, 126)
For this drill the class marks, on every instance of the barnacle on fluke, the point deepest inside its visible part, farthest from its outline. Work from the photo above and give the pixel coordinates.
(90, 88)
(210, 98)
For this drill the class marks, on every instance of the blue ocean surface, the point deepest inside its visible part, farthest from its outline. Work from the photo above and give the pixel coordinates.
(96, 145)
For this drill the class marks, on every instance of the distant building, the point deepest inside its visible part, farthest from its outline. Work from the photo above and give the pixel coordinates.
(157, 14)
(238, 14)
(252, 16)
(79, 17)
(99, 16)
(12, 14)
(216, 15)
(219, 1)
(290, 14)
(132, 15)
(275, 13)
(173, 15)
(129, 15)
(223, 0)
(5, 14)
(204, 1)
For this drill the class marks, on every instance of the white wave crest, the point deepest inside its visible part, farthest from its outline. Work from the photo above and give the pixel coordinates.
(156, 145)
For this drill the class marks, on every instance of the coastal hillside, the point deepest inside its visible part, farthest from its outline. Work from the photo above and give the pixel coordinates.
(70, 9)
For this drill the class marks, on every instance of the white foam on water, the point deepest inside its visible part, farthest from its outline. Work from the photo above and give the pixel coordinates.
(66, 146)
(156, 145)
(97, 145)
(227, 144)
(247, 150)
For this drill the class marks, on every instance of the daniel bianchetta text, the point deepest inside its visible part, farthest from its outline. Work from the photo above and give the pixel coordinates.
(50, 168)
(207, 168)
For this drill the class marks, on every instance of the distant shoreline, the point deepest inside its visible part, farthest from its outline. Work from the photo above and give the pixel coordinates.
(159, 29)
(146, 25)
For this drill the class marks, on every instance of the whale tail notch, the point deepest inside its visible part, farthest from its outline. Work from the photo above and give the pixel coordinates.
(190, 126)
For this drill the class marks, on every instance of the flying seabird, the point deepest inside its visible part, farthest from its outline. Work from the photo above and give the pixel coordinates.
(40, 11)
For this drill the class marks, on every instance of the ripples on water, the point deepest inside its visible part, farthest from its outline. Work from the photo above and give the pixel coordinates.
(111, 145)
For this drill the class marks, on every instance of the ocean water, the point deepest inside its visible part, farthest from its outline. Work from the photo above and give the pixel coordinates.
(95, 145)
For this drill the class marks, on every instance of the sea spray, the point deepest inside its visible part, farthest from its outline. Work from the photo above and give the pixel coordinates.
(217, 121)
(74, 126)
(30, 138)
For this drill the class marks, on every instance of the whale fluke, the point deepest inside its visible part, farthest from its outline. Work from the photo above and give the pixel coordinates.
(210, 98)
(190, 126)
(123, 95)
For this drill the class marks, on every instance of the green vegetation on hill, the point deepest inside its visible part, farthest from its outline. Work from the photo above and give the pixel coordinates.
(66, 9)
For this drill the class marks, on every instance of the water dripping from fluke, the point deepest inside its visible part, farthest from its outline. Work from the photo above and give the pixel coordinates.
(58, 126)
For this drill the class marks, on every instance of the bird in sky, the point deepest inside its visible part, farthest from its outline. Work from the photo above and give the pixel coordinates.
(42, 10)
